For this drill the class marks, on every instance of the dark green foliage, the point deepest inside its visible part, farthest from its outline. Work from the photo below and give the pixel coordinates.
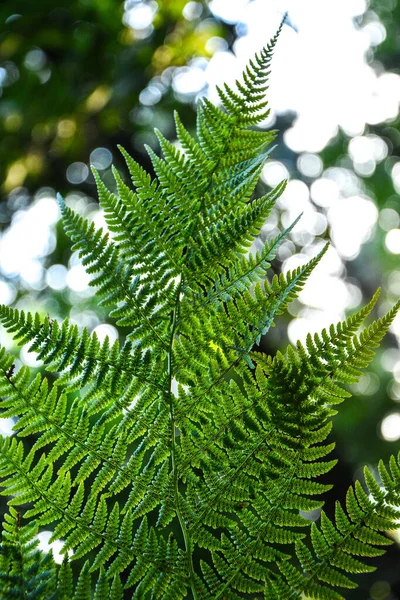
(187, 459)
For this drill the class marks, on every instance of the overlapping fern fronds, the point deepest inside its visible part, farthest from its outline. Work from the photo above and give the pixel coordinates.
(26, 572)
(180, 464)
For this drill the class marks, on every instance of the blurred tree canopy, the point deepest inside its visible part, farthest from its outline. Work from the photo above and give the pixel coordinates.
(71, 74)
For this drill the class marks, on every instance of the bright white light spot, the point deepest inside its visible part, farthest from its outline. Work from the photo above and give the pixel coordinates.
(77, 201)
(74, 259)
(286, 250)
(33, 274)
(383, 104)
(7, 293)
(77, 173)
(45, 546)
(296, 196)
(9, 73)
(140, 16)
(35, 60)
(302, 136)
(395, 326)
(325, 292)
(231, 12)
(34, 227)
(310, 165)
(393, 390)
(29, 358)
(366, 151)
(56, 277)
(45, 209)
(78, 279)
(298, 260)
(312, 515)
(192, 11)
(6, 427)
(221, 62)
(316, 223)
(368, 384)
(352, 221)
(379, 147)
(105, 330)
(356, 7)
(361, 149)
(7, 341)
(390, 359)
(365, 169)
(216, 44)
(311, 321)
(389, 219)
(84, 318)
(392, 241)
(174, 387)
(376, 32)
(396, 177)
(296, 200)
(326, 296)
(101, 158)
(3, 76)
(355, 295)
(99, 219)
(332, 262)
(393, 282)
(347, 182)
(189, 80)
(324, 192)
(390, 427)
(150, 95)
(274, 172)
(396, 372)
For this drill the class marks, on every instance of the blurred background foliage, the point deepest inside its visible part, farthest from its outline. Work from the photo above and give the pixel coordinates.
(81, 76)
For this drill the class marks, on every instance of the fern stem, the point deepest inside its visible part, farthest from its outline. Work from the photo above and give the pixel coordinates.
(185, 532)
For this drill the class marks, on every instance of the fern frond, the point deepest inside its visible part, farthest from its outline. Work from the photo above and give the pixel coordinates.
(336, 547)
(85, 527)
(127, 217)
(284, 452)
(243, 273)
(248, 103)
(136, 305)
(104, 371)
(229, 237)
(100, 452)
(180, 463)
(330, 358)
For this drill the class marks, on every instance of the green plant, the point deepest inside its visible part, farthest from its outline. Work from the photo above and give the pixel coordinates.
(181, 463)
